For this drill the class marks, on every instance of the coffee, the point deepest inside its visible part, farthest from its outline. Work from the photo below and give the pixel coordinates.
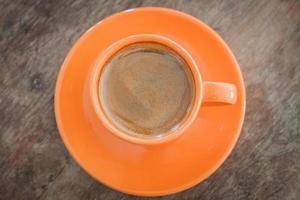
(146, 89)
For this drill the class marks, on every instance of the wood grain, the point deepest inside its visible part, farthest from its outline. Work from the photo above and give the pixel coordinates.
(35, 36)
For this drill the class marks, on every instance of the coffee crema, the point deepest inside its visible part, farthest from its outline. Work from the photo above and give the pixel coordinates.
(146, 89)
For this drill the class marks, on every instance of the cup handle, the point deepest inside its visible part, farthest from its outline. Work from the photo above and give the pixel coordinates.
(219, 92)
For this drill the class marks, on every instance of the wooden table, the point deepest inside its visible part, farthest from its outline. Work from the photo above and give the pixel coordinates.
(36, 35)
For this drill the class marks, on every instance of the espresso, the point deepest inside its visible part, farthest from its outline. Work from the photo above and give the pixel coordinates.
(146, 89)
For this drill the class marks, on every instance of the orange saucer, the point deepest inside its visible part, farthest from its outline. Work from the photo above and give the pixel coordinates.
(159, 169)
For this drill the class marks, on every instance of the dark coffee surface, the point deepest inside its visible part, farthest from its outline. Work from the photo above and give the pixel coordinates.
(146, 88)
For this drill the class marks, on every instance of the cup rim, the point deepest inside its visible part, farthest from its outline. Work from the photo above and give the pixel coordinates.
(110, 52)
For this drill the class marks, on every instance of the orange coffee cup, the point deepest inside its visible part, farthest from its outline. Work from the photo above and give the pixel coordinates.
(205, 91)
